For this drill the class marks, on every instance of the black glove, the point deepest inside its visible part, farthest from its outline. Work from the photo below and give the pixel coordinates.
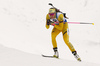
(48, 22)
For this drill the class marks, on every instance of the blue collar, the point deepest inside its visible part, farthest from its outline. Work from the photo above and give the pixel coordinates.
(56, 16)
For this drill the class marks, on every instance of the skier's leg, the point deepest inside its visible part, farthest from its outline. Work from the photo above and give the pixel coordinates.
(54, 33)
(65, 33)
(66, 40)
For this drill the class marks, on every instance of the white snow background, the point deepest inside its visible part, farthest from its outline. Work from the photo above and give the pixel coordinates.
(23, 36)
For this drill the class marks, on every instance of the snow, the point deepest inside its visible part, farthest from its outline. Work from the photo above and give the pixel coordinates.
(13, 57)
(23, 36)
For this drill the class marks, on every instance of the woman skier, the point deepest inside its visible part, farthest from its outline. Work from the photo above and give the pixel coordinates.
(60, 24)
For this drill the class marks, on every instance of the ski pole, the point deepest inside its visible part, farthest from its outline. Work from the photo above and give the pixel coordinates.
(79, 23)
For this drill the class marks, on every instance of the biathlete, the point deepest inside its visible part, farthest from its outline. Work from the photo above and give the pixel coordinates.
(60, 24)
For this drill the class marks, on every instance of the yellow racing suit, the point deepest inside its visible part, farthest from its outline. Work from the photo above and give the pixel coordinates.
(62, 27)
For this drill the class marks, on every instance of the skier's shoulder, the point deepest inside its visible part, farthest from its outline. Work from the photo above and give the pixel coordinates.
(47, 16)
(59, 14)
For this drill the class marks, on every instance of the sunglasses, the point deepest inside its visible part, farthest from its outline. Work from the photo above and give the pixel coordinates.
(51, 14)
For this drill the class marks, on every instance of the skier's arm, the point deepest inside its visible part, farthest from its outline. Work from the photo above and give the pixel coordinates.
(60, 19)
(47, 18)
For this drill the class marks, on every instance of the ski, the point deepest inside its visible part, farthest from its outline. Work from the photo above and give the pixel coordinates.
(49, 56)
(57, 57)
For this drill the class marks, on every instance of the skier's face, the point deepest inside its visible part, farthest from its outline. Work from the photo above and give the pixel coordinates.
(52, 15)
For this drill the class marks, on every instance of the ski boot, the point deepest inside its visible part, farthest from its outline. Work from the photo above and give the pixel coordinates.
(56, 54)
(76, 55)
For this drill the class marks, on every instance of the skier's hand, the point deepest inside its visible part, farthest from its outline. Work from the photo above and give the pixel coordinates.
(53, 24)
(55, 21)
(48, 22)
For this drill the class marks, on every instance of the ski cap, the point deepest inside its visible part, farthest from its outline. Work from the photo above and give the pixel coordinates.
(52, 10)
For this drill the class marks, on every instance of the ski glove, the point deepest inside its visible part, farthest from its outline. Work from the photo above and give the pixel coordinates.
(48, 22)
(55, 21)
(52, 22)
